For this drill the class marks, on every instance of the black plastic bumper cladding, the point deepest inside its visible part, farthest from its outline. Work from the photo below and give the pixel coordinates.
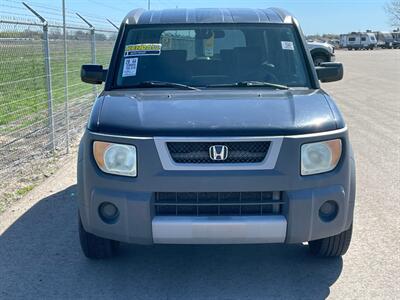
(218, 204)
(225, 193)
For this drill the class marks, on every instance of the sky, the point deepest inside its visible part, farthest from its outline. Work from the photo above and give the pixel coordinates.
(315, 17)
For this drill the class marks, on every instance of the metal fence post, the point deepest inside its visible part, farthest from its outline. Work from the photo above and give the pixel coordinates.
(92, 45)
(112, 24)
(47, 67)
(65, 77)
(93, 51)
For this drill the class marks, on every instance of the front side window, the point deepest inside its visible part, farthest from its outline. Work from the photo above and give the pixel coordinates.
(205, 55)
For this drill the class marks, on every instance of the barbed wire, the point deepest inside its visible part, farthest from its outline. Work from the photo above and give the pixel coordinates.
(53, 14)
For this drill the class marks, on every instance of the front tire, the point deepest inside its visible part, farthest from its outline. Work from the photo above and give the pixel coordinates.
(319, 59)
(95, 247)
(332, 246)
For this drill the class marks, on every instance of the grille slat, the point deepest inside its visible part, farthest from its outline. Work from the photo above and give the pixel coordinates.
(218, 204)
(198, 152)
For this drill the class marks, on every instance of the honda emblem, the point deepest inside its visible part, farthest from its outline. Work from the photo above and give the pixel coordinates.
(218, 152)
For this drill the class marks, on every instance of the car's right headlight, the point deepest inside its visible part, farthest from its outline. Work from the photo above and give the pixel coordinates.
(117, 159)
(320, 157)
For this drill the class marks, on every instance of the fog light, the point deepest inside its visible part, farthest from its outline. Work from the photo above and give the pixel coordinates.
(328, 211)
(108, 212)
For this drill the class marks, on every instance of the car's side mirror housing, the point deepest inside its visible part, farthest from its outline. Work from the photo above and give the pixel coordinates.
(330, 71)
(94, 74)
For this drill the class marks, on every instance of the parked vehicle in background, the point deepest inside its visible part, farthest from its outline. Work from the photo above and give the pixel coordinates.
(335, 43)
(396, 37)
(343, 41)
(358, 41)
(385, 40)
(321, 52)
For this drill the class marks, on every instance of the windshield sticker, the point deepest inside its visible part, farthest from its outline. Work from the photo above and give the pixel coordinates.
(286, 45)
(209, 46)
(142, 49)
(130, 67)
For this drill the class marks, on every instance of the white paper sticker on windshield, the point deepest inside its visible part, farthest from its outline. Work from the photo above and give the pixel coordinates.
(142, 49)
(130, 67)
(209, 46)
(286, 45)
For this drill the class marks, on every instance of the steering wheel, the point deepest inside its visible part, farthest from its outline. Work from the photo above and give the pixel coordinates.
(263, 73)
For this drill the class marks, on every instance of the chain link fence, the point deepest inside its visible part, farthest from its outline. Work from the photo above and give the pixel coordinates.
(43, 104)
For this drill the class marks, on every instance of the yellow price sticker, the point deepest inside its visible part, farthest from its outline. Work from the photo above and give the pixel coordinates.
(142, 49)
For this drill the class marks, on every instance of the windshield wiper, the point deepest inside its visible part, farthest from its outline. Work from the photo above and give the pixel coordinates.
(251, 83)
(151, 84)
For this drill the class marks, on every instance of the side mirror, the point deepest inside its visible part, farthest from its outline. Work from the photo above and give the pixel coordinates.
(330, 71)
(94, 74)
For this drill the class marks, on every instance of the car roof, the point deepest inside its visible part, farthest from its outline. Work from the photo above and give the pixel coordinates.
(208, 15)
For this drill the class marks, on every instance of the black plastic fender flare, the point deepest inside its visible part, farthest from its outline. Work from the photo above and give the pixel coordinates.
(320, 52)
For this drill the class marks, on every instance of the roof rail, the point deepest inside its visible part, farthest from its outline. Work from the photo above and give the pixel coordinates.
(133, 16)
(283, 14)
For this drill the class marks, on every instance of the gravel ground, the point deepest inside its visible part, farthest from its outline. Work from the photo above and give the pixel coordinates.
(26, 160)
(40, 255)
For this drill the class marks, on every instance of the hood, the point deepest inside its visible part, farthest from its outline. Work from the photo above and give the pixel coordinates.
(223, 112)
(313, 45)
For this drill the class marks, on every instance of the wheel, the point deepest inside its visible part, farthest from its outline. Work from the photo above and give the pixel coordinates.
(319, 59)
(332, 246)
(95, 247)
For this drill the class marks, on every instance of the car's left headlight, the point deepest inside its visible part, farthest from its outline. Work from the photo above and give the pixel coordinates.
(117, 159)
(320, 157)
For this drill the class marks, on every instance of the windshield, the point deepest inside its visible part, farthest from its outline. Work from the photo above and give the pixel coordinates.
(206, 55)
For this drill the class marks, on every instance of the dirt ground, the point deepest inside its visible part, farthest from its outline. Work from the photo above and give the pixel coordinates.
(40, 255)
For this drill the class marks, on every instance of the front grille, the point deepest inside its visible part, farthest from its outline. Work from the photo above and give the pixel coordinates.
(199, 152)
(218, 204)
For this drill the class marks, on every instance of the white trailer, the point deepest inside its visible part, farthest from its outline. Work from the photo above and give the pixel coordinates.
(358, 40)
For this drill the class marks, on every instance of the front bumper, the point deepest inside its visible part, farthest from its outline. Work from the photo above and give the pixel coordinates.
(219, 230)
(297, 222)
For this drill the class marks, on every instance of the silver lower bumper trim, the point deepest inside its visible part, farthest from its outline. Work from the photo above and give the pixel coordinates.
(219, 230)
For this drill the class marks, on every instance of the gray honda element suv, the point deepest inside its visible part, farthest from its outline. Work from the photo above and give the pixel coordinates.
(213, 129)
